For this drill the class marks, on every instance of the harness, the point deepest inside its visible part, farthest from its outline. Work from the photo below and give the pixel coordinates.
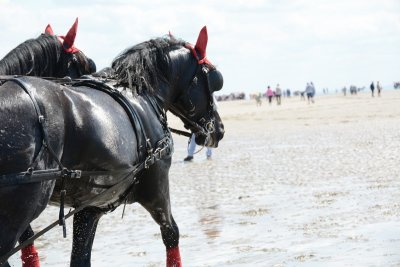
(147, 156)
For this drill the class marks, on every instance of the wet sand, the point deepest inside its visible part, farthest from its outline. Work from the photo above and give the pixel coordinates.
(290, 185)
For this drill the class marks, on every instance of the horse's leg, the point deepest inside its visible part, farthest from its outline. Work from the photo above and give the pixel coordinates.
(85, 224)
(18, 207)
(9, 234)
(152, 192)
(29, 254)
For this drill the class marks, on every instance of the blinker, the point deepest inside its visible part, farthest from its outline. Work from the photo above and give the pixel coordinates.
(216, 81)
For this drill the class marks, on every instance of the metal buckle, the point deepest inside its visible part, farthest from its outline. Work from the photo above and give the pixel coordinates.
(148, 161)
(76, 174)
(41, 119)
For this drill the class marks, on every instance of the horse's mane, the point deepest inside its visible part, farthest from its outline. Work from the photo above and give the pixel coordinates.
(34, 57)
(144, 65)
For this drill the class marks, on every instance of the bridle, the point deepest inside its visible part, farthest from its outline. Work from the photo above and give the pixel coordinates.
(76, 64)
(204, 126)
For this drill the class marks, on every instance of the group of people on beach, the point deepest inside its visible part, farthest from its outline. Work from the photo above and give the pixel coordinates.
(278, 92)
(378, 88)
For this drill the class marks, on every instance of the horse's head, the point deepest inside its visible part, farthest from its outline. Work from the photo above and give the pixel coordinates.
(72, 62)
(182, 79)
(195, 105)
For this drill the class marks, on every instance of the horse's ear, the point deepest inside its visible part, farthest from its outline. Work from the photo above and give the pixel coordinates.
(171, 36)
(49, 30)
(201, 44)
(70, 37)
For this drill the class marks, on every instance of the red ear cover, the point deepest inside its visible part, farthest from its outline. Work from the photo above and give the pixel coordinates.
(49, 30)
(70, 37)
(201, 44)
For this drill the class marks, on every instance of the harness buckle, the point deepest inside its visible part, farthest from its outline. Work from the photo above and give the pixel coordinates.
(41, 119)
(149, 161)
(76, 174)
(205, 69)
(29, 171)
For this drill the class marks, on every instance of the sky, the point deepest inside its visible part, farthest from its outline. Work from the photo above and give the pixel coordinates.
(254, 43)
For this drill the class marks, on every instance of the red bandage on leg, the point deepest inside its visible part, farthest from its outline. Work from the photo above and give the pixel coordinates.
(30, 257)
(173, 257)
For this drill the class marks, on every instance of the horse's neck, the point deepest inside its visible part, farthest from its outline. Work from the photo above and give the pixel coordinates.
(9, 67)
(23, 60)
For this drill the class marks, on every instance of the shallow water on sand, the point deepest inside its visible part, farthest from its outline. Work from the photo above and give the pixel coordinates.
(309, 193)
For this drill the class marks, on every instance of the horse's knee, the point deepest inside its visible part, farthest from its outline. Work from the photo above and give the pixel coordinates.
(28, 233)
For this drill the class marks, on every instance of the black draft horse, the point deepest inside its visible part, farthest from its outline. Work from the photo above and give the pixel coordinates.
(46, 56)
(121, 149)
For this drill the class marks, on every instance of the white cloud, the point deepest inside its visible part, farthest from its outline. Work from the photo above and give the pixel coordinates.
(254, 43)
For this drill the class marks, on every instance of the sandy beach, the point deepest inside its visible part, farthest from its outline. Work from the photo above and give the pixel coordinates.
(292, 185)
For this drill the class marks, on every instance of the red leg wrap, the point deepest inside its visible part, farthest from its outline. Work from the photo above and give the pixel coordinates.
(173, 257)
(30, 257)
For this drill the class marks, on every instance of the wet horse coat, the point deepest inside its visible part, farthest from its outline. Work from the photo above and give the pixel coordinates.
(47, 56)
(89, 131)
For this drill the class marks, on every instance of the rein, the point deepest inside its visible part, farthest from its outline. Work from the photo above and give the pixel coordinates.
(180, 132)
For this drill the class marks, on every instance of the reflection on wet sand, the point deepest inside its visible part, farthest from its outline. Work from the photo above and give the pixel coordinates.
(211, 222)
(294, 185)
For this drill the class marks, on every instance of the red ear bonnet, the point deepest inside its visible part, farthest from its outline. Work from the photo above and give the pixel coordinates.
(201, 44)
(199, 51)
(67, 41)
(49, 30)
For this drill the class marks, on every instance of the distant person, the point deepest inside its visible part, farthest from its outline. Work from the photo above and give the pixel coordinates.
(278, 93)
(372, 87)
(192, 148)
(302, 95)
(258, 99)
(379, 88)
(310, 92)
(270, 94)
(288, 92)
(344, 90)
(313, 89)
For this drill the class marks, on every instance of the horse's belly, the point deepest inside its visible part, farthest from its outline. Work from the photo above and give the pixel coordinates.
(85, 191)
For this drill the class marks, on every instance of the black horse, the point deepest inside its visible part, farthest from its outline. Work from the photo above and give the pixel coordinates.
(110, 146)
(46, 56)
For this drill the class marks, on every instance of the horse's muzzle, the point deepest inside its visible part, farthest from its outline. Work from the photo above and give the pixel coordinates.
(212, 139)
